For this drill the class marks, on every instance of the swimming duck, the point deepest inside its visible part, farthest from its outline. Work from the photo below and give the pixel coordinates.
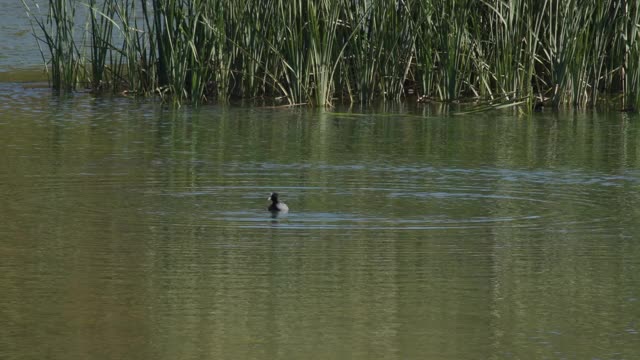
(277, 205)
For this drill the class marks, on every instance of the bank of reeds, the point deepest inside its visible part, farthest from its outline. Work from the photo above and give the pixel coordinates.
(319, 52)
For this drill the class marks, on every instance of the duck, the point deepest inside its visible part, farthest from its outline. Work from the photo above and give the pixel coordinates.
(277, 206)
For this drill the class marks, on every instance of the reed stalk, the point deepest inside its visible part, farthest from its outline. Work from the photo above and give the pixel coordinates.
(101, 33)
(56, 31)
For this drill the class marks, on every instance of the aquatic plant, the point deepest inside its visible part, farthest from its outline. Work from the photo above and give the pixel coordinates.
(56, 31)
(321, 51)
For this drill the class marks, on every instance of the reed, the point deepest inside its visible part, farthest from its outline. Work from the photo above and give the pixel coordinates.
(134, 61)
(562, 52)
(630, 50)
(101, 33)
(56, 30)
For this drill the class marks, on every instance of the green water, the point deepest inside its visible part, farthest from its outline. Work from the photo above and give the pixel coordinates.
(132, 231)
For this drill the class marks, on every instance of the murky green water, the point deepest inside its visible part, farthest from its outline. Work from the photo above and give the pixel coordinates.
(130, 231)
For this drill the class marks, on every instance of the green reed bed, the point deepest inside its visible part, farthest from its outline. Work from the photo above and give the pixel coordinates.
(575, 52)
(56, 31)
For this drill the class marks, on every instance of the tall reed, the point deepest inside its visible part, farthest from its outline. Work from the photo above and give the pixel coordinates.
(56, 30)
(631, 53)
(321, 51)
(101, 33)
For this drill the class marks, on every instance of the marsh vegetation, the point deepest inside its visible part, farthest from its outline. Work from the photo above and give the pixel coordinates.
(560, 52)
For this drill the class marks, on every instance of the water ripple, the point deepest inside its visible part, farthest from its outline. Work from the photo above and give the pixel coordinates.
(343, 197)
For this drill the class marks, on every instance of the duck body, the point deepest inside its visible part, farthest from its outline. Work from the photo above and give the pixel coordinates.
(276, 205)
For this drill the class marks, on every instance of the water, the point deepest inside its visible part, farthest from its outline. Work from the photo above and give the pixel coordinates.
(131, 230)
(18, 48)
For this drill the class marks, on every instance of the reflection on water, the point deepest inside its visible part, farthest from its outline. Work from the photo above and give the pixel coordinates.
(134, 231)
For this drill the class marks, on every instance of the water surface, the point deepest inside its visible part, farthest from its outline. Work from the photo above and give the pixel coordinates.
(18, 48)
(131, 230)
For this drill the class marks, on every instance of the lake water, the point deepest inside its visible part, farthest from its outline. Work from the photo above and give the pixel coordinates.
(131, 230)
(18, 49)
